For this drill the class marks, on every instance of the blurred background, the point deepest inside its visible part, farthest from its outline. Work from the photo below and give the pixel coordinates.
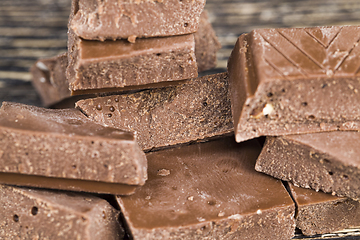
(32, 29)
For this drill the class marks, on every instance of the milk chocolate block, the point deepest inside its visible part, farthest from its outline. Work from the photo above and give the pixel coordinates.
(296, 80)
(118, 64)
(39, 214)
(63, 149)
(328, 161)
(209, 191)
(319, 213)
(206, 44)
(197, 109)
(113, 19)
(49, 79)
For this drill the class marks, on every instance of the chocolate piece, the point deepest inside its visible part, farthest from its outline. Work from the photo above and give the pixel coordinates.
(39, 214)
(49, 79)
(328, 161)
(48, 145)
(198, 109)
(297, 80)
(113, 19)
(319, 213)
(119, 64)
(209, 191)
(206, 44)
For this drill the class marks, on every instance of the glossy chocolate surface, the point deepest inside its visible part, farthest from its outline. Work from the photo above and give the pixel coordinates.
(295, 80)
(207, 184)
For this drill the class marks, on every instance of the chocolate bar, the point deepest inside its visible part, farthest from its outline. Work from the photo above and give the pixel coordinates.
(95, 65)
(296, 80)
(112, 19)
(209, 190)
(49, 79)
(39, 214)
(62, 149)
(327, 161)
(206, 44)
(319, 213)
(197, 109)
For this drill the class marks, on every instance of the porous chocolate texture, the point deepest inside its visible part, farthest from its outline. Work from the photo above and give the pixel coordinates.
(296, 80)
(319, 213)
(198, 109)
(113, 19)
(209, 191)
(40, 214)
(95, 65)
(328, 161)
(63, 149)
(49, 78)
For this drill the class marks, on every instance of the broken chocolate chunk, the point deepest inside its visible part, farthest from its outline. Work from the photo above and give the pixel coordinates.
(113, 19)
(40, 214)
(319, 213)
(95, 65)
(295, 80)
(209, 190)
(198, 109)
(63, 149)
(206, 44)
(328, 161)
(49, 78)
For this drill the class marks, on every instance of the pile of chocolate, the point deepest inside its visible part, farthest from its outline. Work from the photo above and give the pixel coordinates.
(144, 149)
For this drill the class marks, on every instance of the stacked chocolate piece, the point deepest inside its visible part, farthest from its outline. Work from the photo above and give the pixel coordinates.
(300, 88)
(194, 180)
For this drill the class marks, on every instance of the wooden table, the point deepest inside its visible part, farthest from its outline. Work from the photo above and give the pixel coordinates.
(32, 29)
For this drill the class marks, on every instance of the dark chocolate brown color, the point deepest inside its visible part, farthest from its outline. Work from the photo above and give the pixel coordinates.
(64, 144)
(328, 161)
(296, 80)
(209, 191)
(197, 109)
(118, 64)
(39, 214)
(319, 213)
(113, 19)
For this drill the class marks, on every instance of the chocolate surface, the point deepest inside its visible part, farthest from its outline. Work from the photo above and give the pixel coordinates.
(206, 44)
(327, 161)
(65, 144)
(319, 213)
(197, 109)
(209, 191)
(39, 214)
(112, 19)
(49, 79)
(117, 64)
(296, 80)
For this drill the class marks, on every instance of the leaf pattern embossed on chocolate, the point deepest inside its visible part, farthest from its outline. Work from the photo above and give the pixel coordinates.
(313, 52)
